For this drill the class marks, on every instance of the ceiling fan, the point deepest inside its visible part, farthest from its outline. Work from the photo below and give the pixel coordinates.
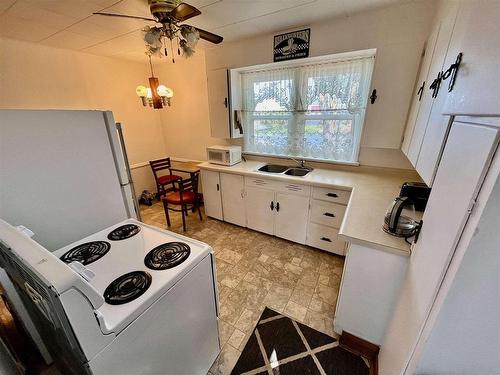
(170, 13)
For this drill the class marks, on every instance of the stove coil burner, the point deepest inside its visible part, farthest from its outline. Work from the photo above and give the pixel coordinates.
(123, 232)
(167, 255)
(127, 287)
(87, 253)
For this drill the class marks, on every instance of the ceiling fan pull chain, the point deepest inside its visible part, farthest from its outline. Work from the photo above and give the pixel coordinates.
(172, 49)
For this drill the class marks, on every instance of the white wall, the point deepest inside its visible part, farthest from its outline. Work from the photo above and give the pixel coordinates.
(466, 336)
(39, 77)
(398, 33)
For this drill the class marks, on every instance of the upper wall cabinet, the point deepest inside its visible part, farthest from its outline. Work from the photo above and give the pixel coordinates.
(223, 103)
(425, 115)
(476, 35)
(467, 37)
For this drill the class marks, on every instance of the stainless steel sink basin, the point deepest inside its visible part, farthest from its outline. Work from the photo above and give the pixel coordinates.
(300, 172)
(273, 168)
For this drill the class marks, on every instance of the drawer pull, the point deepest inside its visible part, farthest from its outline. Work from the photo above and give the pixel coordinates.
(329, 214)
(333, 195)
(326, 239)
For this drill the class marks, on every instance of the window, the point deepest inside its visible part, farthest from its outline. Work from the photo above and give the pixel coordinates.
(314, 110)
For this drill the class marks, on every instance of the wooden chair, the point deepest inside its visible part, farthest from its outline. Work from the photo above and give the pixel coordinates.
(163, 181)
(186, 196)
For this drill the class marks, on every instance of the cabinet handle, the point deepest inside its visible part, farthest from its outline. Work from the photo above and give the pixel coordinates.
(277, 206)
(225, 102)
(329, 214)
(452, 71)
(218, 187)
(421, 91)
(326, 239)
(272, 205)
(436, 84)
(333, 195)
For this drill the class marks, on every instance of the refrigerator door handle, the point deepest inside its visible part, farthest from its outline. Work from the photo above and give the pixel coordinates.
(129, 173)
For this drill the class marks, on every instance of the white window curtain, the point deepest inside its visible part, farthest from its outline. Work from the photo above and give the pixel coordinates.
(313, 111)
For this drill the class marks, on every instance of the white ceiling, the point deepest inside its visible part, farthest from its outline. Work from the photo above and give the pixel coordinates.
(70, 23)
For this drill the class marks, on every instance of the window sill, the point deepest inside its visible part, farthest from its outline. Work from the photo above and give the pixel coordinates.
(351, 163)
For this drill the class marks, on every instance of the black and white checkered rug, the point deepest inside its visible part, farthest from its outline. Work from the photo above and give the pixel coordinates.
(282, 346)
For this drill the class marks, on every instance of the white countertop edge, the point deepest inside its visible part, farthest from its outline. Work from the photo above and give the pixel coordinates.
(373, 245)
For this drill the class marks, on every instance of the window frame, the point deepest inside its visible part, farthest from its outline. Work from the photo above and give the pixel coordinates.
(340, 57)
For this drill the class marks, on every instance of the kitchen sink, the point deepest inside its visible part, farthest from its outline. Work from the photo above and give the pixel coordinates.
(300, 172)
(273, 168)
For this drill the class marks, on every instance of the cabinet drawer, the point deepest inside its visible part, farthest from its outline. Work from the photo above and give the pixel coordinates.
(292, 188)
(330, 214)
(278, 186)
(260, 182)
(331, 195)
(325, 238)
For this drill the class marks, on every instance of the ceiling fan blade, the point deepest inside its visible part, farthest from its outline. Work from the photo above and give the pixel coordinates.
(184, 11)
(207, 35)
(124, 16)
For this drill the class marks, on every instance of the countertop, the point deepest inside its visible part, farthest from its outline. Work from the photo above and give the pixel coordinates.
(372, 191)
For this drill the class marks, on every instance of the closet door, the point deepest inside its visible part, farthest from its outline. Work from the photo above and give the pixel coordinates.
(477, 87)
(464, 164)
(447, 23)
(420, 90)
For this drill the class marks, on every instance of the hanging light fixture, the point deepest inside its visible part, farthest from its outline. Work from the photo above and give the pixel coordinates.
(156, 95)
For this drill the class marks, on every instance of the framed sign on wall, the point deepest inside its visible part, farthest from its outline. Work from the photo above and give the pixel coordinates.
(293, 45)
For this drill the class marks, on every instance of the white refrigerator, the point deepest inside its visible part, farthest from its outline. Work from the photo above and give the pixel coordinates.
(64, 174)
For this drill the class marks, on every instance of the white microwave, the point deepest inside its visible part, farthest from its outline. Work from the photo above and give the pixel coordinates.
(224, 155)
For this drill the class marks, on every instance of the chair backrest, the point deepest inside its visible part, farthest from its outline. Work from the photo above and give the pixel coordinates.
(159, 165)
(189, 184)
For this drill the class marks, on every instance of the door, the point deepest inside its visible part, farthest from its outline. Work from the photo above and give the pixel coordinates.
(477, 87)
(422, 85)
(291, 217)
(211, 194)
(218, 103)
(464, 164)
(428, 100)
(233, 198)
(260, 209)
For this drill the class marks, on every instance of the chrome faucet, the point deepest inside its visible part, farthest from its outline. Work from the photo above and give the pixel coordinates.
(302, 163)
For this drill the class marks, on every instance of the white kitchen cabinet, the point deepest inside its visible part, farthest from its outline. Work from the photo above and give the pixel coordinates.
(233, 198)
(260, 209)
(477, 87)
(370, 287)
(291, 212)
(218, 103)
(445, 27)
(464, 164)
(421, 89)
(211, 194)
(224, 98)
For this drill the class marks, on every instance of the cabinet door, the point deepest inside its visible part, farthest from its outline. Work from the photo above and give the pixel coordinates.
(477, 87)
(260, 215)
(233, 202)
(211, 194)
(422, 84)
(291, 216)
(447, 23)
(218, 103)
(466, 158)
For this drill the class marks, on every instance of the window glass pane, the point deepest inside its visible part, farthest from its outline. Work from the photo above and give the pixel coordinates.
(328, 139)
(272, 95)
(270, 131)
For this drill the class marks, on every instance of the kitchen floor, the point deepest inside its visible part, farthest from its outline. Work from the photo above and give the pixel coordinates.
(255, 270)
